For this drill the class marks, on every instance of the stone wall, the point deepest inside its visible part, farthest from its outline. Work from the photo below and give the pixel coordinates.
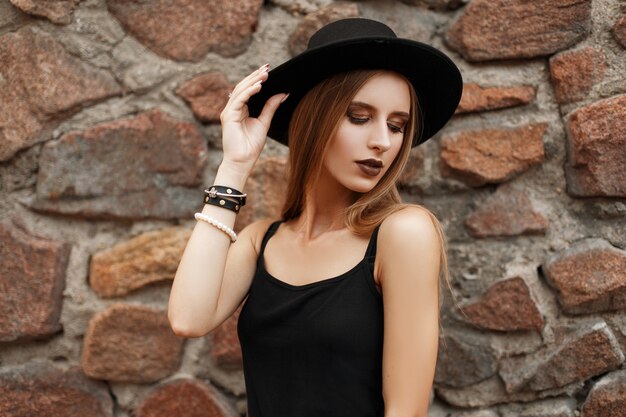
(109, 131)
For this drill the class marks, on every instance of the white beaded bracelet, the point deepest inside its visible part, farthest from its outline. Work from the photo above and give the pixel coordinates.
(230, 232)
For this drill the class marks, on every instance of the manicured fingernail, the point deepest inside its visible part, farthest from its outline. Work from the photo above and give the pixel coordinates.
(264, 67)
(284, 98)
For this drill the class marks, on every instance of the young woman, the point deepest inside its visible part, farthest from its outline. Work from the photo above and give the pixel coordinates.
(340, 295)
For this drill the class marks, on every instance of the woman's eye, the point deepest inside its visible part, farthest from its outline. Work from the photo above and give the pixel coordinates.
(396, 129)
(358, 120)
(361, 120)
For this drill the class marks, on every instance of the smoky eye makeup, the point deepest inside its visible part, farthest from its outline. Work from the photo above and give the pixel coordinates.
(397, 128)
(357, 116)
(360, 119)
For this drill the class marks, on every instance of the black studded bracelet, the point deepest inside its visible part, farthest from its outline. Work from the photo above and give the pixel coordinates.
(223, 202)
(226, 197)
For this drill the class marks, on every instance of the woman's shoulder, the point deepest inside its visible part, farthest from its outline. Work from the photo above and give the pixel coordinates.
(257, 228)
(409, 215)
(408, 237)
(411, 224)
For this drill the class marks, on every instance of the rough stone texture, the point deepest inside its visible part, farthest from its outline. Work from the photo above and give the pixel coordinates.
(268, 177)
(185, 397)
(573, 73)
(493, 29)
(617, 323)
(42, 87)
(57, 11)
(596, 164)
(94, 35)
(491, 391)
(229, 379)
(476, 98)
(186, 30)
(300, 7)
(463, 362)
(589, 276)
(40, 389)
(225, 347)
(507, 212)
(312, 22)
(507, 305)
(207, 94)
(141, 70)
(583, 354)
(619, 31)
(413, 173)
(512, 343)
(607, 398)
(32, 279)
(131, 343)
(146, 166)
(491, 155)
(478, 413)
(150, 257)
(20, 171)
(551, 407)
(11, 18)
(42, 99)
(407, 21)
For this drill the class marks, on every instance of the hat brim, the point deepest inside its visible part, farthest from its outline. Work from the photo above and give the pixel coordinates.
(436, 79)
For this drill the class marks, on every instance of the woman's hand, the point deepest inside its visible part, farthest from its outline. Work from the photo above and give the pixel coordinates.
(243, 137)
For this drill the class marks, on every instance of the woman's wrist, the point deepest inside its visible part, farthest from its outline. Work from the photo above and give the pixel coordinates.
(232, 175)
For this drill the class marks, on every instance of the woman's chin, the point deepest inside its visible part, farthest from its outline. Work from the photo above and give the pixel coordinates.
(363, 187)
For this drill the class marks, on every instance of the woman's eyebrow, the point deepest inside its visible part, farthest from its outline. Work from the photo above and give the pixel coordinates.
(369, 106)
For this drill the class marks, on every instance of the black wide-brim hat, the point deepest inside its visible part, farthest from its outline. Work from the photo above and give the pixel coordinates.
(356, 43)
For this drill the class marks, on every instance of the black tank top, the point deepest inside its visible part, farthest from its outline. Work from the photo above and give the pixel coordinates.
(313, 350)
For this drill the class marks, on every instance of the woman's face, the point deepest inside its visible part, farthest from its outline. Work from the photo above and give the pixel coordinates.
(373, 127)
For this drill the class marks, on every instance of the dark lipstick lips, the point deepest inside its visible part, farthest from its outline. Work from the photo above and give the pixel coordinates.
(372, 162)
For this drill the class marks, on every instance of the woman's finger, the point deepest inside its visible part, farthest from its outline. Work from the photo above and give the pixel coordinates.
(270, 107)
(249, 80)
(238, 101)
(254, 81)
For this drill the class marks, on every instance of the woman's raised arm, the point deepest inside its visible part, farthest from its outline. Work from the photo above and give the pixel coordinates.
(197, 284)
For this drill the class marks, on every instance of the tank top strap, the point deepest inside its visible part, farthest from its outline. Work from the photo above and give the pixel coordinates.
(268, 234)
(370, 253)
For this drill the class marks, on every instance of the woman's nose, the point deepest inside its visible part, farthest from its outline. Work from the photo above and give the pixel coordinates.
(380, 136)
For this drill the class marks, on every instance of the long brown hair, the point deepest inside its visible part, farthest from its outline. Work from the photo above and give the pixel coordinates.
(314, 122)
